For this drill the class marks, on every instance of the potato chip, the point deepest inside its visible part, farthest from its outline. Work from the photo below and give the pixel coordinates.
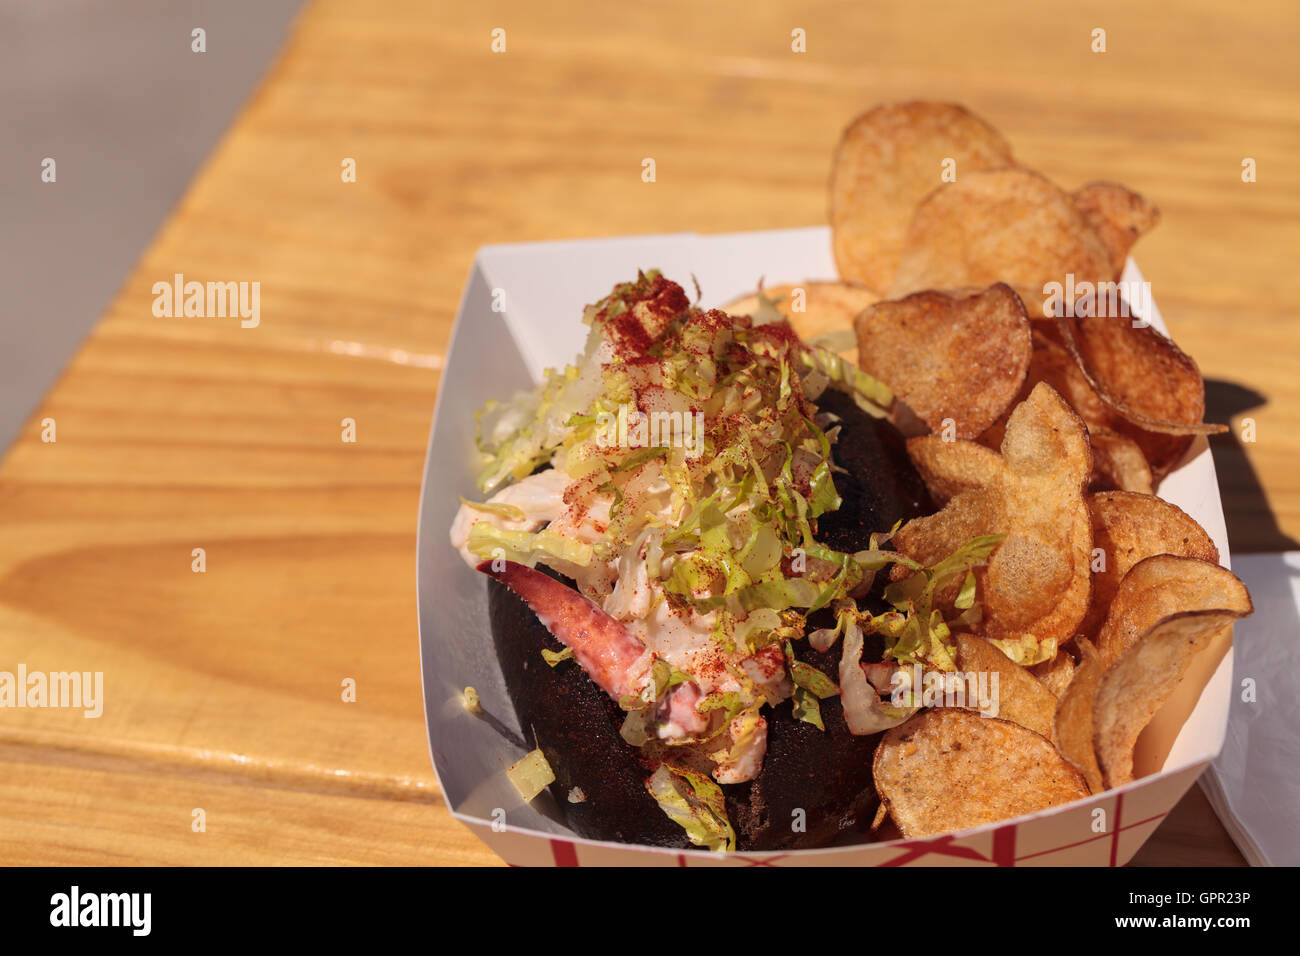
(1021, 697)
(1167, 610)
(1034, 589)
(813, 308)
(950, 467)
(887, 161)
(951, 769)
(1154, 388)
(956, 362)
(1072, 724)
(1118, 460)
(1051, 363)
(1057, 673)
(1118, 215)
(1118, 463)
(1128, 528)
(1048, 362)
(1117, 440)
(1003, 225)
(1134, 687)
(1160, 586)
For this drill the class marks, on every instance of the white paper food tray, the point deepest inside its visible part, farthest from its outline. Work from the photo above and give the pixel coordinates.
(539, 290)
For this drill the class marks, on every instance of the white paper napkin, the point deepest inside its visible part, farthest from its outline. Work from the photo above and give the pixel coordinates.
(1254, 785)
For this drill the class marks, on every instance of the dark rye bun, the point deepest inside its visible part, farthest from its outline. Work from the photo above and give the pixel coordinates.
(827, 775)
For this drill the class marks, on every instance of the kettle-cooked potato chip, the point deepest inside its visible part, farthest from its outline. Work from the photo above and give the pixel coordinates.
(1134, 687)
(1118, 215)
(1120, 459)
(1000, 225)
(1167, 609)
(950, 467)
(1118, 463)
(1035, 587)
(1072, 726)
(1128, 528)
(1153, 387)
(1021, 697)
(1095, 402)
(950, 769)
(1049, 362)
(957, 360)
(1057, 673)
(1160, 586)
(887, 161)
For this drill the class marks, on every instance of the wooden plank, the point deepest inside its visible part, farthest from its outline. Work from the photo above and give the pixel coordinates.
(96, 812)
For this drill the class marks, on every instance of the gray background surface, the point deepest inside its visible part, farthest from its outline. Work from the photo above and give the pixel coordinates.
(112, 91)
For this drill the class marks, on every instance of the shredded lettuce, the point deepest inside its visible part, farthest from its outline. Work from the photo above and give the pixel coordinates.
(966, 597)
(517, 436)
(531, 774)
(752, 629)
(809, 677)
(811, 685)
(864, 711)
(498, 508)
(839, 340)
(778, 594)
(485, 539)
(1027, 649)
(636, 727)
(922, 635)
(729, 702)
(553, 658)
(872, 395)
(695, 803)
(804, 706)
(750, 721)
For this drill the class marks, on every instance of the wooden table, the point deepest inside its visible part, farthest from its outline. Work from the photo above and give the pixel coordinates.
(223, 688)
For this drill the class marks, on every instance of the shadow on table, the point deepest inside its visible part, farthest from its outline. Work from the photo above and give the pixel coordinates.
(1252, 526)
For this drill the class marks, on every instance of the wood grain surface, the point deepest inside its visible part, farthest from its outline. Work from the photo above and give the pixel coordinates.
(223, 689)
